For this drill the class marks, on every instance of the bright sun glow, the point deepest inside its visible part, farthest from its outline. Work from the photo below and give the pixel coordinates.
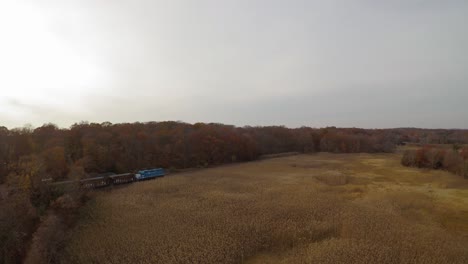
(36, 67)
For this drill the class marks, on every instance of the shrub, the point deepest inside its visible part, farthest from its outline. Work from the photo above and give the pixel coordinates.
(47, 241)
(453, 161)
(409, 158)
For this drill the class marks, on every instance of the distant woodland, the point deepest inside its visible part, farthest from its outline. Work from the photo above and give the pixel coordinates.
(34, 218)
(90, 148)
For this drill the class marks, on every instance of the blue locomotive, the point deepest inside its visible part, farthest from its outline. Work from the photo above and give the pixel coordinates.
(149, 174)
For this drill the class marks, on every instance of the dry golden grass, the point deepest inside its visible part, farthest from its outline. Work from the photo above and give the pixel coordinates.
(322, 208)
(333, 178)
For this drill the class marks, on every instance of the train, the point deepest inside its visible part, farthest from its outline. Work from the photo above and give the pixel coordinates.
(116, 179)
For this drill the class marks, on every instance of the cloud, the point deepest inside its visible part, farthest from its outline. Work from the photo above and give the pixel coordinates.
(365, 63)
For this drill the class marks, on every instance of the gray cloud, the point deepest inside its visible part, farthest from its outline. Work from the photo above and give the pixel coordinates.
(27, 113)
(344, 63)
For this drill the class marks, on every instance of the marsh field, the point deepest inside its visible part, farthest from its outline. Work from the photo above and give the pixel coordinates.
(318, 208)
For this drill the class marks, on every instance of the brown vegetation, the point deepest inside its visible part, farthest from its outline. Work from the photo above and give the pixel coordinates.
(28, 156)
(48, 240)
(121, 148)
(333, 178)
(343, 209)
(453, 160)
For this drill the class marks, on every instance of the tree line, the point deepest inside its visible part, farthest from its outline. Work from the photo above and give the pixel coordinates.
(454, 160)
(88, 148)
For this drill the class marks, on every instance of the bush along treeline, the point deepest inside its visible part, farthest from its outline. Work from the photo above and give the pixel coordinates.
(34, 216)
(454, 160)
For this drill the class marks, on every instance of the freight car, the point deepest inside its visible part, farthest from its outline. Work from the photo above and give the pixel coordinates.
(122, 178)
(95, 182)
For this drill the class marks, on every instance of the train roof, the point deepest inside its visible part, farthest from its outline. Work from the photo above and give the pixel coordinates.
(92, 179)
(121, 175)
(148, 170)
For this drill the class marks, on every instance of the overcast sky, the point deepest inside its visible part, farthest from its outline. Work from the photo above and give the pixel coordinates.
(346, 63)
